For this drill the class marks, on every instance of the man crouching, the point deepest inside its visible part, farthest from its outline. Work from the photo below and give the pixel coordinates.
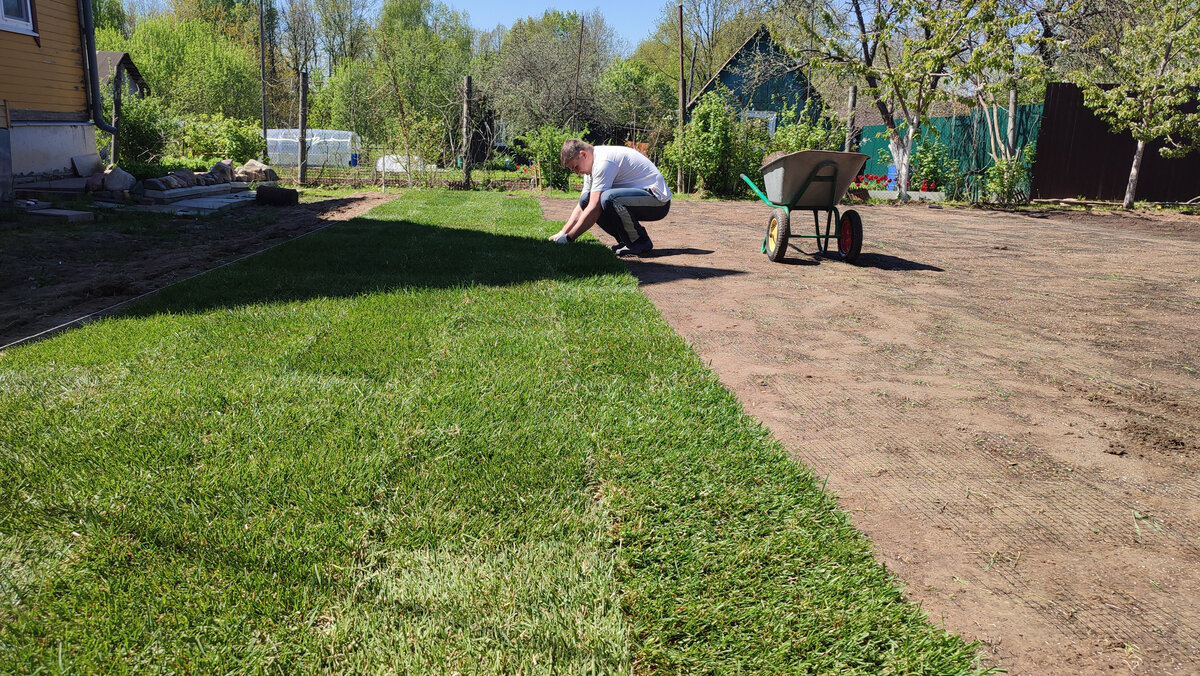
(621, 188)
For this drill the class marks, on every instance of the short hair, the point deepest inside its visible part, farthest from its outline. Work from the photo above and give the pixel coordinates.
(571, 149)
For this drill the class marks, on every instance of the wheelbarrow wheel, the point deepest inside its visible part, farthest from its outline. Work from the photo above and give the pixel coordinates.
(778, 232)
(850, 236)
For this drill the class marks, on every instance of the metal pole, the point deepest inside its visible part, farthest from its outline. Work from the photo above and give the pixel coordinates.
(682, 105)
(262, 70)
(303, 137)
(118, 85)
(466, 132)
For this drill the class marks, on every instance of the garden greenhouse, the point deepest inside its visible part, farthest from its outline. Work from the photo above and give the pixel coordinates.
(326, 147)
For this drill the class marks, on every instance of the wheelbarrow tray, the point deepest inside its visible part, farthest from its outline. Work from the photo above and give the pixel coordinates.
(786, 175)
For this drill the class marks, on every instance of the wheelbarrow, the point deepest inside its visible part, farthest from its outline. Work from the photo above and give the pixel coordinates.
(811, 180)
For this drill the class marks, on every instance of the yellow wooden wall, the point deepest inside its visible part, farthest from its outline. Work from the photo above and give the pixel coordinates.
(46, 82)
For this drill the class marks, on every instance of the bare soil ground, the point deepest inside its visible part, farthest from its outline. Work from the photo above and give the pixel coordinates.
(51, 274)
(1008, 404)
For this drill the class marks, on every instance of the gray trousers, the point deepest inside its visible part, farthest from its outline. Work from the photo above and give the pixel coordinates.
(623, 209)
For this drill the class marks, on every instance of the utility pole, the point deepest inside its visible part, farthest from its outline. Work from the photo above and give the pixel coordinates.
(303, 145)
(578, 70)
(262, 70)
(466, 132)
(682, 105)
(692, 68)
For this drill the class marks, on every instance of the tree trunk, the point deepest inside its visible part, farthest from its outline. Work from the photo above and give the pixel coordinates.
(901, 149)
(1012, 123)
(1131, 188)
(851, 105)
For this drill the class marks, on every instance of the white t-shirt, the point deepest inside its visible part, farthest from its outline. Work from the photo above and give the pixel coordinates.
(621, 167)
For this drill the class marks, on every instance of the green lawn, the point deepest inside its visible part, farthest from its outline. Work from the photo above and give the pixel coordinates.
(424, 441)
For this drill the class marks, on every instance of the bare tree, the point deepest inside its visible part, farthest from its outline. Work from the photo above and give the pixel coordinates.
(344, 29)
(541, 74)
(298, 36)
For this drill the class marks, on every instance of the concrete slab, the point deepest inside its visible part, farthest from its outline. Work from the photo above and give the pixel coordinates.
(86, 165)
(202, 206)
(176, 194)
(69, 184)
(62, 216)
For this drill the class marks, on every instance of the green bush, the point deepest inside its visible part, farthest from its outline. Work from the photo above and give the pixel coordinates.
(145, 130)
(932, 164)
(544, 145)
(217, 136)
(717, 147)
(808, 129)
(145, 170)
(1007, 180)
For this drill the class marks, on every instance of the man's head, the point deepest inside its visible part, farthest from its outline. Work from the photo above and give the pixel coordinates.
(577, 156)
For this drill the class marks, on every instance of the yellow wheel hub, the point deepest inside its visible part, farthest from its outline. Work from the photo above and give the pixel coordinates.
(773, 237)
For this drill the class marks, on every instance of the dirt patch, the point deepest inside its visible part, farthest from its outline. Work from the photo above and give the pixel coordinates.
(1006, 403)
(51, 274)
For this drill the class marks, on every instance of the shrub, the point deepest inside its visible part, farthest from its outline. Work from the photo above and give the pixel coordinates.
(217, 136)
(145, 129)
(1007, 180)
(545, 148)
(145, 170)
(717, 147)
(808, 129)
(933, 165)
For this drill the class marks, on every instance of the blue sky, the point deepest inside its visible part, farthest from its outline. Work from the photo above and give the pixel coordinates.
(632, 19)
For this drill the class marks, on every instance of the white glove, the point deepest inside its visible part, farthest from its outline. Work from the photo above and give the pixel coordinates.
(560, 238)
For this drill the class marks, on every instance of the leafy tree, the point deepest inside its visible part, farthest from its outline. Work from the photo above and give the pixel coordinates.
(717, 147)
(634, 93)
(191, 68)
(903, 50)
(110, 14)
(357, 97)
(423, 50)
(715, 27)
(1001, 58)
(1154, 63)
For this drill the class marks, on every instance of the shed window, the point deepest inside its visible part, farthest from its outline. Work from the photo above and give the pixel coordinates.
(16, 14)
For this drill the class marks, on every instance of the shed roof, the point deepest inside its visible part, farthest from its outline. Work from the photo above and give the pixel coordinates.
(106, 65)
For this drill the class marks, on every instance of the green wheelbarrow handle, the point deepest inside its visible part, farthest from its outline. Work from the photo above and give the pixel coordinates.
(763, 197)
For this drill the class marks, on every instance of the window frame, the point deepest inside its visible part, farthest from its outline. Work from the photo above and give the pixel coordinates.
(28, 27)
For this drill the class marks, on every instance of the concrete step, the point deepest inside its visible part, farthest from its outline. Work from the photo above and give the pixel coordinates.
(61, 216)
(176, 194)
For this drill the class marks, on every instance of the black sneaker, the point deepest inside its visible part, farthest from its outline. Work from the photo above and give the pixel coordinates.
(643, 245)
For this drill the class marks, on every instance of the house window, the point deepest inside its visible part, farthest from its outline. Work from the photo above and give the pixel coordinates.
(16, 15)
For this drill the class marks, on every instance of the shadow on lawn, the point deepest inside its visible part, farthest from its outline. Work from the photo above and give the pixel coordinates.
(366, 255)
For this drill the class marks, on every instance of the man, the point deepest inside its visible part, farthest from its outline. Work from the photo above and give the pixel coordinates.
(621, 188)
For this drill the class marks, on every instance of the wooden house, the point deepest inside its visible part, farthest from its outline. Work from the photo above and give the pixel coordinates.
(47, 105)
(763, 79)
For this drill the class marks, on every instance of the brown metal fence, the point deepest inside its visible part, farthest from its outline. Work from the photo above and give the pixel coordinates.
(1077, 156)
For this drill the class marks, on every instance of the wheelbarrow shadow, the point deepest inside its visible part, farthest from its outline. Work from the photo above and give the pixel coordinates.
(865, 260)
